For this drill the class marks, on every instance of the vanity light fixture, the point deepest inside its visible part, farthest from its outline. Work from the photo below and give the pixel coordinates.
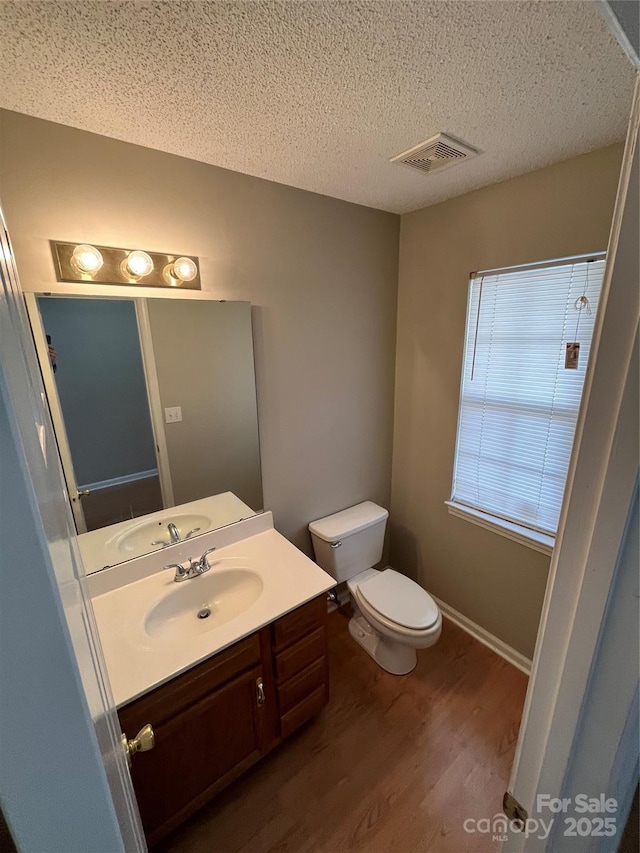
(137, 264)
(82, 263)
(86, 259)
(182, 269)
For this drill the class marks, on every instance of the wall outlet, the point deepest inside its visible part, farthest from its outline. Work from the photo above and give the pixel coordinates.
(173, 414)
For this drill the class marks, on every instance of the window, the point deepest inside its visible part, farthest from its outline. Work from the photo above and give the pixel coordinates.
(520, 393)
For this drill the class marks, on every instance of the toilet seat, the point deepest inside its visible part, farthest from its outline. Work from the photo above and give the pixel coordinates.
(398, 602)
(411, 636)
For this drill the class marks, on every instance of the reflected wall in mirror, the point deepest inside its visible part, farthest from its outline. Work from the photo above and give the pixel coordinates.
(154, 406)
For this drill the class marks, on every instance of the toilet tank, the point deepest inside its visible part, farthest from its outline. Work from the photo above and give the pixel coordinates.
(348, 542)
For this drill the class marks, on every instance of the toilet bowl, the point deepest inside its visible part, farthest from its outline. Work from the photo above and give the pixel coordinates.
(393, 615)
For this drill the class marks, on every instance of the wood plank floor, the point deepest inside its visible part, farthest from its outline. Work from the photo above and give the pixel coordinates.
(392, 764)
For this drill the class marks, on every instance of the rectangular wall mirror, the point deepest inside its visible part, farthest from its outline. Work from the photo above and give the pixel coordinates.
(154, 407)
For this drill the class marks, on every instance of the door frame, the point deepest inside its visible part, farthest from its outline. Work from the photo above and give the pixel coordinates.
(153, 399)
(51, 390)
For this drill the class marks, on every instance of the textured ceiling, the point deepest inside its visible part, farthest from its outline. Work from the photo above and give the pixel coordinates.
(321, 94)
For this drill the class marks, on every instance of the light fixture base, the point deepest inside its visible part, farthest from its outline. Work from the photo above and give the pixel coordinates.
(114, 268)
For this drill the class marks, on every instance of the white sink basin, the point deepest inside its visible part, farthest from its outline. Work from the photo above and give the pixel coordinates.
(198, 605)
(149, 625)
(139, 538)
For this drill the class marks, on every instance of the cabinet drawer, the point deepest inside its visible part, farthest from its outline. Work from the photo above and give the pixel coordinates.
(300, 622)
(296, 657)
(301, 712)
(298, 688)
(169, 699)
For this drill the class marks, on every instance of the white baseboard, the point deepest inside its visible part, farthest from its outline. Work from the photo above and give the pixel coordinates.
(483, 636)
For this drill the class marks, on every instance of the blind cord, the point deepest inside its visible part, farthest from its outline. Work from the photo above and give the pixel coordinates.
(475, 340)
(582, 302)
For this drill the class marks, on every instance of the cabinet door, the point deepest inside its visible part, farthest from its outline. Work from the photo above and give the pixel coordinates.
(197, 752)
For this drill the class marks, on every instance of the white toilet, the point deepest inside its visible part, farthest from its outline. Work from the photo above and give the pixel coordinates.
(393, 615)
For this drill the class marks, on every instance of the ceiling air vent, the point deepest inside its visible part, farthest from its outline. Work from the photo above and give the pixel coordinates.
(438, 152)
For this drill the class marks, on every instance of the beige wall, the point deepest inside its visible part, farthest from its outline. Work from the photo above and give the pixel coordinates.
(203, 356)
(322, 273)
(562, 210)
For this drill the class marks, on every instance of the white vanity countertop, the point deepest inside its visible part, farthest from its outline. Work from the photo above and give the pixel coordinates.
(138, 662)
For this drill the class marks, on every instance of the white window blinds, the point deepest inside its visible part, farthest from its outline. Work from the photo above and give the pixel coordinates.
(518, 402)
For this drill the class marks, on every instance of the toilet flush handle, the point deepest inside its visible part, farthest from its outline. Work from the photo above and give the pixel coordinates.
(336, 544)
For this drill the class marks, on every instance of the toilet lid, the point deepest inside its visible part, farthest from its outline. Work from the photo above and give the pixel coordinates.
(400, 599)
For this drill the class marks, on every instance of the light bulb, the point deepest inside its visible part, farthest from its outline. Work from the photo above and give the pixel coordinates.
(87, 259)
(185, 269)
(182, 269)
(139, 264)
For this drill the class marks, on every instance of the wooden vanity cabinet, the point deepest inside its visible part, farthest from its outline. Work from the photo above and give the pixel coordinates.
(221, 716)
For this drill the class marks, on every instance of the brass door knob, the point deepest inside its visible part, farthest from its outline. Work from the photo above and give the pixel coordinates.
(142, 742)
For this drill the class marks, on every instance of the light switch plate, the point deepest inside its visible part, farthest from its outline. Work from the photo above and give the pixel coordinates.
(173, 414)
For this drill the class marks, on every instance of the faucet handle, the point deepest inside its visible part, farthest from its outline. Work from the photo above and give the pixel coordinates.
(203, 564)
(181, 572)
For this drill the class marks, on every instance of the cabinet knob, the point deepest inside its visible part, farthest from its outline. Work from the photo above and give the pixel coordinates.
(142, 742)
(259, 692)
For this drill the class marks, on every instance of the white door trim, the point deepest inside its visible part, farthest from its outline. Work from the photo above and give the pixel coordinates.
(51, 390)
(153, 397)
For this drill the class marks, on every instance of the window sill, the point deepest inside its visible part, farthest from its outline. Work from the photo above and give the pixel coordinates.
(538, 541)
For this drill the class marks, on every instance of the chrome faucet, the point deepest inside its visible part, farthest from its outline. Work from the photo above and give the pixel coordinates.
(174, 536)
(194, 569)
